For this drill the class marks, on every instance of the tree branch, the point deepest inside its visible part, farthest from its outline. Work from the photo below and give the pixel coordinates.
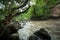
(13, 14)
(25, 2)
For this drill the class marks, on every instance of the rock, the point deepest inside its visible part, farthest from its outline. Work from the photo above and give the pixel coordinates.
(14, 36)
(43, 34)
(34, 37)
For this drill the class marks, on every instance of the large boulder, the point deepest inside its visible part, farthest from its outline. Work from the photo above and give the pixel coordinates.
(41, 34)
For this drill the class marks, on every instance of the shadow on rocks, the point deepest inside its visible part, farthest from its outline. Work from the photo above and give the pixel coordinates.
(41, 34)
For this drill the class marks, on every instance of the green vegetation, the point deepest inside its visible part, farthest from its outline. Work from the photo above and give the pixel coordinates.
(12, 11)
(40, 9)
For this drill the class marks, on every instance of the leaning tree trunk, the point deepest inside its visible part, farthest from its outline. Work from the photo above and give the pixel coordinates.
(13, 13)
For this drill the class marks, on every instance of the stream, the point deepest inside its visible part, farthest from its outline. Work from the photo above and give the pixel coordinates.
(52, 27)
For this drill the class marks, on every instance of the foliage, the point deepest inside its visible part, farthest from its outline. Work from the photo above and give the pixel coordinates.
(25, 16)
(7, 7)
(40, 9)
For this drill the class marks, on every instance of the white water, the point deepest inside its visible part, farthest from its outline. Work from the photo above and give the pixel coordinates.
(27, 30)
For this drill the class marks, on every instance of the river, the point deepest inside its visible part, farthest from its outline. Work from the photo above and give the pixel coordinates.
(53, 28)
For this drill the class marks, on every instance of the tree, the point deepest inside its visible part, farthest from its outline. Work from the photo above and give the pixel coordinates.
(42, 9)
(11, 8)
(8, 10)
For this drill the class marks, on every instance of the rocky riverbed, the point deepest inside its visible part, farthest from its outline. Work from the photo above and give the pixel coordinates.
(53, 27)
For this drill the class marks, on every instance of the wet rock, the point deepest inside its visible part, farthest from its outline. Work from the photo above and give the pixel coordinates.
(34, 37)
(43, 34)
(14, 36)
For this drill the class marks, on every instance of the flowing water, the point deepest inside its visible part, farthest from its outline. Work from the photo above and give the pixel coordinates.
(52, 27)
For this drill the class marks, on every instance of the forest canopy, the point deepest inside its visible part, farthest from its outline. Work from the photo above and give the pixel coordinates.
(38, 9)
